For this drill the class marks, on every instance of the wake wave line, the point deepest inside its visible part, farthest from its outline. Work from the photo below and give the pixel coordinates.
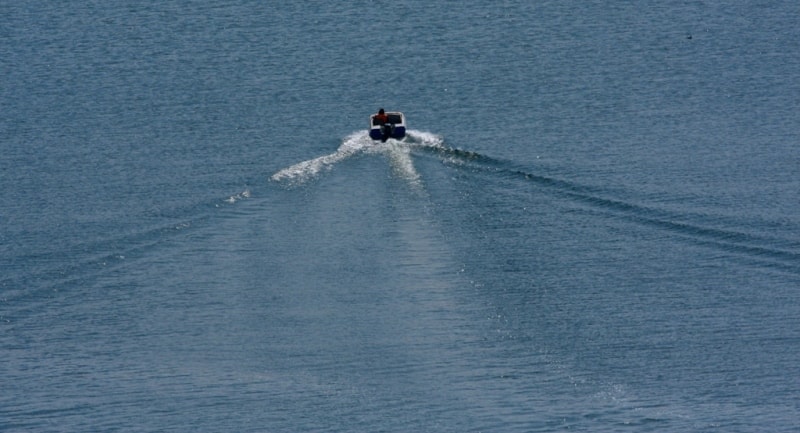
(305, 170)
(780, 253)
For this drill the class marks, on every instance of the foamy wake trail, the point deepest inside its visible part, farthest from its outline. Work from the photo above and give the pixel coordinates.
(300, 172)
(399, 153)
(402, 165)
(424, 139)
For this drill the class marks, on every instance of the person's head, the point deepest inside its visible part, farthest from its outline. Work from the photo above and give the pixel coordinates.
(381, 111)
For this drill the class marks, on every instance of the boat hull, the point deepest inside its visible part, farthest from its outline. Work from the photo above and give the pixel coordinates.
(397, 133)
(395, 128)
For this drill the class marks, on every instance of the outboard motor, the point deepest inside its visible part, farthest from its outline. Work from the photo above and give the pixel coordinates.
(387, 130)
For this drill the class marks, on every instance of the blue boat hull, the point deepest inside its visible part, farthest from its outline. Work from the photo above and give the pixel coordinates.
(397, 133)
(394, 128)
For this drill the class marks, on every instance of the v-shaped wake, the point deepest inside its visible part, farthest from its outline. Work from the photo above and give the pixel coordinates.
(359, 143)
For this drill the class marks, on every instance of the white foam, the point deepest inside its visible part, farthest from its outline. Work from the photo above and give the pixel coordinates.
(358, 142)
(424, 139)
(241, 196)
(305, 170)
(402, 165)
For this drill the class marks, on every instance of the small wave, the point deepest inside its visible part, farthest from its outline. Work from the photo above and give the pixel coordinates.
(424, 139)
(237, 197)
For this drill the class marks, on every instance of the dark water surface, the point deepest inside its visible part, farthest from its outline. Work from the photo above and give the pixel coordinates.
(591, 226)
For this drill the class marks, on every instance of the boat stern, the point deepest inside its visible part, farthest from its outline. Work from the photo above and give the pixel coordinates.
(394, 128)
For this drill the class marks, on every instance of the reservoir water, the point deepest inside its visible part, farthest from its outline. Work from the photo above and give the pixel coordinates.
(593, 223)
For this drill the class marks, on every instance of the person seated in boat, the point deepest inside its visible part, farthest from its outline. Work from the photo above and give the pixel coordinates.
(381, 118)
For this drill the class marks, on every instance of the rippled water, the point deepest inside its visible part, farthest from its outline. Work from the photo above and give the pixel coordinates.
(591, 225)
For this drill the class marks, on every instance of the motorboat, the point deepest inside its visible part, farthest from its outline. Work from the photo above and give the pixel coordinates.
(395, 127)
